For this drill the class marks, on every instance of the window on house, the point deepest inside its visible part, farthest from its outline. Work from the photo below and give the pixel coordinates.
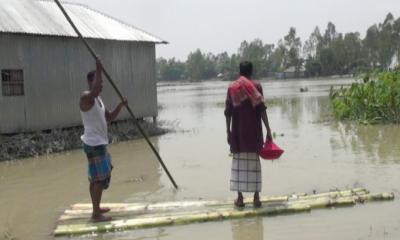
(12, 82)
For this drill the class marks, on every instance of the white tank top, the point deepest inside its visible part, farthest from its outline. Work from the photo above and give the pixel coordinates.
(95, 124)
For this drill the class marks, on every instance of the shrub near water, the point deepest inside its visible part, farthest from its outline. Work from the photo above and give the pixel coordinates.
(375, 100)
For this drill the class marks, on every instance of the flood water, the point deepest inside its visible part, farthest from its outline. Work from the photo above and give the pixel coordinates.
(321, 154)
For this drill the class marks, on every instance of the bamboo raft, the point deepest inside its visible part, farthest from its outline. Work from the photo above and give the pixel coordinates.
(75, 221)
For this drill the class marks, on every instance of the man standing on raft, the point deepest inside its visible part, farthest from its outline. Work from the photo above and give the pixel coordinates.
(244, 108)
(95, 139)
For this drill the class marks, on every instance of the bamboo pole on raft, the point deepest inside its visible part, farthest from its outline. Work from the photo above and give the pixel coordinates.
(93, 53)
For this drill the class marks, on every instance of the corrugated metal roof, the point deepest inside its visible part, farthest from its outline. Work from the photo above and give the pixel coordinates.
(43, 17)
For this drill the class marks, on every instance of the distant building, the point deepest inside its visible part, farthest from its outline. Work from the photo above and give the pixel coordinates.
(44, 65)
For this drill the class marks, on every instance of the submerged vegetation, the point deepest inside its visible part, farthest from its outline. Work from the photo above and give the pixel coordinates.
(375, 99)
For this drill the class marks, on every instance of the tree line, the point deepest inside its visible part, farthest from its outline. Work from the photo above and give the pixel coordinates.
(322, 54)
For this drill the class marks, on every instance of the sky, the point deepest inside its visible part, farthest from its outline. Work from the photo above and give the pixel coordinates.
(221, 25)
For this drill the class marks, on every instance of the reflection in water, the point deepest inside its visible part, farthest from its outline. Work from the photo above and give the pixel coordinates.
(298, 110)
(137, 171)
(378, 142)
(248, 229)
(153, 234)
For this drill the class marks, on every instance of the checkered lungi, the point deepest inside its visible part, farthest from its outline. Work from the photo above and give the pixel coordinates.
(246, 172)
(99, 164)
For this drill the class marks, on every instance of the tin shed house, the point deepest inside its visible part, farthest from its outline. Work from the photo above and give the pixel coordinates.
(44, 65)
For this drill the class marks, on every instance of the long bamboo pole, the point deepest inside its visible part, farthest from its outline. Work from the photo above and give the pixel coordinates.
(93, 53)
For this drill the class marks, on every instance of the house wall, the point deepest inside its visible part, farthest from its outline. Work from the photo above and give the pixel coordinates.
(55, 71)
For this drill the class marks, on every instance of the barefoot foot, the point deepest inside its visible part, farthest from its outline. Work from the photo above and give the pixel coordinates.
(104, 210)
(101, 218)
(256, 200)
(239, 203)
(257, 203)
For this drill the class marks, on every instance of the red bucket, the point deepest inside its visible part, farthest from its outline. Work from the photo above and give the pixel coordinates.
(270, 151)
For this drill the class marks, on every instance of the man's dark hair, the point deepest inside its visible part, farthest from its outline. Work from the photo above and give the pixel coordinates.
(90, 75)
(246, 69)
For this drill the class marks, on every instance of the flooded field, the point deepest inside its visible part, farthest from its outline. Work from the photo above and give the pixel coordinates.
(321, 154)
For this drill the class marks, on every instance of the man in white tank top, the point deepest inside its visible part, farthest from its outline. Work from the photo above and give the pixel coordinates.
(95, 117)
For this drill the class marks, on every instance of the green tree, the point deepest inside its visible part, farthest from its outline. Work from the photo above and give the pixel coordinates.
(353, 56)
(313, 67)
(292, 45)
(227, 65)
(387, 41)
(339, 55)
(234, 66)
(311, 50)
(257, 53)
(371, 46)
(196, 65)
(311, 45)
(382, 42)
(210, 64)
(331, 52)
(396, 32)
(277, 58)
(170, 70)
(330, 35)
